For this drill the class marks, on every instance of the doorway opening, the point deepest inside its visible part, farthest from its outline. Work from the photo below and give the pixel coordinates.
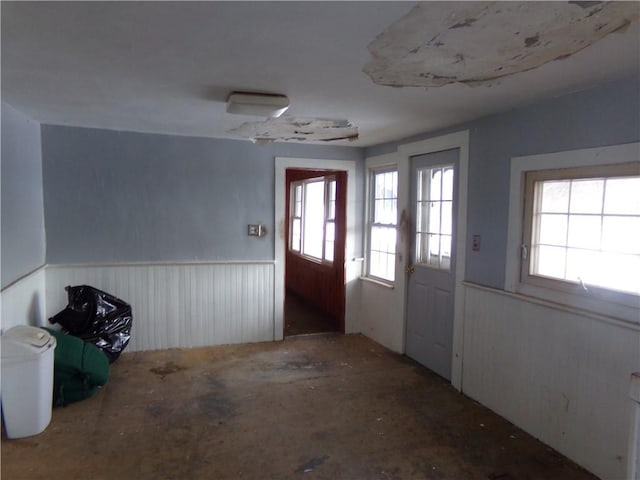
(315, 236)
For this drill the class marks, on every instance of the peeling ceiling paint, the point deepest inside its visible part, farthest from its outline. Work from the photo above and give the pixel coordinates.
(289, 128)
(438, 43)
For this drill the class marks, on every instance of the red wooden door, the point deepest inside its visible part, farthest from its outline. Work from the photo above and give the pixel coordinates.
(317, 280)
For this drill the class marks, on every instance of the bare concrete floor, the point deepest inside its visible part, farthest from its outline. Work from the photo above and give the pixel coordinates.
(332, 407)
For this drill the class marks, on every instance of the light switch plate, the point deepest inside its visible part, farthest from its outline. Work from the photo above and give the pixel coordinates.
(256, 230)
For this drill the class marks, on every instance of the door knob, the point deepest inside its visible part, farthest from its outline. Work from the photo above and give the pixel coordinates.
(409, 269)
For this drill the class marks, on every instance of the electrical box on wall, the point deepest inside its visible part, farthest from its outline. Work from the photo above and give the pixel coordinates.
(475, 245)
(257, 230)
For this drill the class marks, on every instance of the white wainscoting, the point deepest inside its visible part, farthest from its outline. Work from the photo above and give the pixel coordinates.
(23, 302)
(180, 305)
(382, 315)
(560, 375)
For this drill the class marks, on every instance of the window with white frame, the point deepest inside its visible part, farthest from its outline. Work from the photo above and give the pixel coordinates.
(312, 218)
(383, 218)
(581, 230)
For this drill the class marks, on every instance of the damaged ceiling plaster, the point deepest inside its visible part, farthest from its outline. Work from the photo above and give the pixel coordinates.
(289, 128)
(439, 43)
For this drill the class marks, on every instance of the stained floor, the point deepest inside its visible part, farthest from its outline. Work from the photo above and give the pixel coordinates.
(327, 407)
(301, 318)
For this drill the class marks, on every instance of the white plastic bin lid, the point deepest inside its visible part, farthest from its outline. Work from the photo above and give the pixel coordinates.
(26, 341)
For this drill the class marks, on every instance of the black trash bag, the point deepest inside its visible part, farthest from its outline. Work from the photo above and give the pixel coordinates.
(96, 317)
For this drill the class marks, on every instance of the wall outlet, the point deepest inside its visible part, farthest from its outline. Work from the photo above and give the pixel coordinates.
(475, 245)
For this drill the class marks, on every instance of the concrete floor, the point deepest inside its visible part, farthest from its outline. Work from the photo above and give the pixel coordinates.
(319, 407)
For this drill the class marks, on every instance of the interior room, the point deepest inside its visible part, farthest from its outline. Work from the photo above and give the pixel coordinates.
(390, 240)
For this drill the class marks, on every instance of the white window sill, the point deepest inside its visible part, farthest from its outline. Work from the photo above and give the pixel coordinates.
(375, 281)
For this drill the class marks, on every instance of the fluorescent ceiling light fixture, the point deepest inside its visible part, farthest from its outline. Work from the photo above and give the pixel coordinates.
(257, 104)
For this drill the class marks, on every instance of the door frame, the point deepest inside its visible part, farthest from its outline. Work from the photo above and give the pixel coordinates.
(334, 272)
(351, 268)
(458, 140)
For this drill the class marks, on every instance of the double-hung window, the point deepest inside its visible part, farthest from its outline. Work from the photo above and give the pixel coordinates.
(383, 218)
(582, 231)
(312, 218)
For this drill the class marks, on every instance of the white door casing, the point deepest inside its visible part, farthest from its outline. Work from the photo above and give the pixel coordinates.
(458, 140)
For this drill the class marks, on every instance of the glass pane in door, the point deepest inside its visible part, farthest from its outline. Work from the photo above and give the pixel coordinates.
(434, 220)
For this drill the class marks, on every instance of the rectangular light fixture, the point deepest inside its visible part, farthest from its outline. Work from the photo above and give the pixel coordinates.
(257, 104)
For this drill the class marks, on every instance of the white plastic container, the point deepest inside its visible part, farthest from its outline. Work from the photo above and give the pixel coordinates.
(27, 380)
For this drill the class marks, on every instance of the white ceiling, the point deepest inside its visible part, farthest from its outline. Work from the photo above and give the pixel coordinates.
(168, 67)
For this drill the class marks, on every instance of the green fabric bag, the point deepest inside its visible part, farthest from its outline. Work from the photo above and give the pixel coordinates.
(80, 368)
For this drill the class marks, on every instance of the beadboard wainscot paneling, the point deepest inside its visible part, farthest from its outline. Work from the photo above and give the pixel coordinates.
(23, 301)
(180, 305)
(560, 374)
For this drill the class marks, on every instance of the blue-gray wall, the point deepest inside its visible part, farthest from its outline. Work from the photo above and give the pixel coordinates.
(23, 237)
(600, 116)
(130, 197)
(123, 197)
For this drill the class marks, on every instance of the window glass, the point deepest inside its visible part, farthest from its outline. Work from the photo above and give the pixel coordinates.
(553, 229)
(586, 196)
(382, 226)
(295, 234)
(312, 221)
(295, 241)
(622, 196)
(329, 241)
(586, 230)
(297, 201)
(555, 196)
(331, 200)
(434, 216)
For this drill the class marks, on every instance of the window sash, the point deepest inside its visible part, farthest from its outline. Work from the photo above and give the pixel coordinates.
(295, 220)
(312, 233)
(566, 251)
(382, 229)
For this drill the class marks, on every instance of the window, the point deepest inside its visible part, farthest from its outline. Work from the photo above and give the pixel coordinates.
(330, 221)
(434, 217)
(312, 218)
(296, 218)
(582, 230)
(382, 224)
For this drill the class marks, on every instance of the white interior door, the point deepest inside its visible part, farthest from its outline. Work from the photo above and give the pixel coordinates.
(431, 271)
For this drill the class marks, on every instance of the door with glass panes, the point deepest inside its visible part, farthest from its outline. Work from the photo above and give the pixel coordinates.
(431, 271)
